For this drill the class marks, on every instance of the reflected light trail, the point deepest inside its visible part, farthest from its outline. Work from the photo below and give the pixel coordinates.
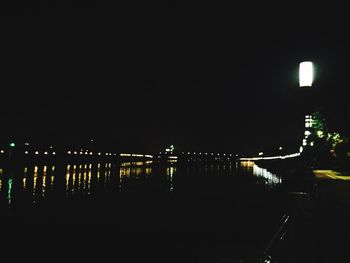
(269, 178)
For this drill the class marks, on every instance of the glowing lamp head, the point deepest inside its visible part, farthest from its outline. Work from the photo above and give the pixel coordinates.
(306, 74)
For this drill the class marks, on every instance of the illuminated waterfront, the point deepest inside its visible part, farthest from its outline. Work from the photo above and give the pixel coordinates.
(32, 187)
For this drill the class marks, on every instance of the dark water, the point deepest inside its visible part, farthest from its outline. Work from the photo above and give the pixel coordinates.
(186, 205)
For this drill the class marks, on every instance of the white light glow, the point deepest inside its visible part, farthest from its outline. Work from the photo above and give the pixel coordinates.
(36, 152)
(26, 152)
(304, 142)
(307, 133)
(53, 153)
(269, 157)
(306, 74)
(69, 152)
(137, 155)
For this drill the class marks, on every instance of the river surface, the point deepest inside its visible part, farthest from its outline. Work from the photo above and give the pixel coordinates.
(232, 202)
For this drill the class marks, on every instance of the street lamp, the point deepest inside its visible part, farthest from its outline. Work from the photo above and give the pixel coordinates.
(306, 74)
(306, 78)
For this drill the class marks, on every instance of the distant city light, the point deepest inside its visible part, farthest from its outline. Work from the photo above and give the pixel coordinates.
(26, 143)
(53, 153)
(75, 152)
(69, 152)
(26, 152)
(280, 148)
(12, 144)
(99, 154)
(311, 143)
(306, 74)
(261, 153)
(90, 153)
(36, 152)
(45, 153)
(2, 151)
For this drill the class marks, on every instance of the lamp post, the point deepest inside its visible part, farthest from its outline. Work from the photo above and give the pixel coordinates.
(306, 78)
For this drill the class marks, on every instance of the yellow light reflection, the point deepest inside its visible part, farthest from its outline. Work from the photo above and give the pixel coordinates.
(247, 163)
(89, 182)
(52, 180)
(79, 180)
(98, 175)
(170, 173)
(24, 180)
(43, 184)
(35, 178)
(67, 181)
(124, 172)
(125, 164)
(148, 170)
(73, 182)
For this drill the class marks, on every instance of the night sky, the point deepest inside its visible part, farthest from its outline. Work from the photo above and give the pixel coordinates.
(202, 77)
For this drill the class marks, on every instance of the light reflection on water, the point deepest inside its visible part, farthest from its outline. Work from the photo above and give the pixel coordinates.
(36, 183)
(270, 179)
